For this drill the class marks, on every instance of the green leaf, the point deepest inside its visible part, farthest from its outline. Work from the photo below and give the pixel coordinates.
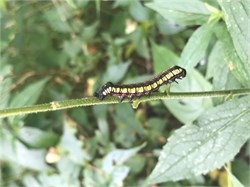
(237, 19)
(72, 47)
(127, 126)
(5, 85)
(69, 170)
(196, 46)
(241, 170)
(112, 75)
(139, 40)
(71, 3)
(14, 151)
(70, 144)
(167, 27)
(118, 157)
(187, 110)
(113, 164)
(102, 134)
(125, 116)
(30, 180)
(208, 144)
(54, 18)
(138, 12)
(121, 3)
(218, 70)
(28, 96)
(163, 57)
(37, 138)
(181, 11)
(240, 69)
(89, 32)
(235, 181)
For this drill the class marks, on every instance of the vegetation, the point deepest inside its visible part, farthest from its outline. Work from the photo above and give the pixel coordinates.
(55, 54)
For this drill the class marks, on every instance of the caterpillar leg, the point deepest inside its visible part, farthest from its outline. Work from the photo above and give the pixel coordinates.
(121, 97)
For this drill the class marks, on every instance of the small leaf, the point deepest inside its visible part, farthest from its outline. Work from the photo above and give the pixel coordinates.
(37, 138)
(138, 12)
(55, 21)
(118, 157)
(118, 175)
(5, 85)
(214, 140)
(163, 57)
(70, 144)
(139, 41)
(181, 11)
(28, 96)
(30, 180)
(102, 134)
(168, 27)
(14, 151)
(71, 3)
(112, 75)
(72, 47)
(128, 120)
(196, 47)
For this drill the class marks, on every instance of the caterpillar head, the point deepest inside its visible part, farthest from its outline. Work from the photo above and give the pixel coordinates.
(104, 90)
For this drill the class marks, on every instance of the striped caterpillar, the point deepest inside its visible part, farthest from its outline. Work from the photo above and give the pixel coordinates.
(141, 88)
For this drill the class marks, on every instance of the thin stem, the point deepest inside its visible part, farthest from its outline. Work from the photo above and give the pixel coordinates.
(89, 101)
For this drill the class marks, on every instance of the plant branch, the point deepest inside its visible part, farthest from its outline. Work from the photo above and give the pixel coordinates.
(89, 101)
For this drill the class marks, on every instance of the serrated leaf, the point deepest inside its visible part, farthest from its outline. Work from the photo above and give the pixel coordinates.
(187, 110)
(237, 19)
(239, 68)
(37, 138)
(196, 46)
(181, 11)
(214, 140)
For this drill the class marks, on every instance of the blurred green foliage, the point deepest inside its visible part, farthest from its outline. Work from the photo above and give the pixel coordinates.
(57, 50)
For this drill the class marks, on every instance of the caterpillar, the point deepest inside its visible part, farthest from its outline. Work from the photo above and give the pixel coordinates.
(141, 88)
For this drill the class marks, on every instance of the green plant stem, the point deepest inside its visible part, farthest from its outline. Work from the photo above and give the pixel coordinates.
(89, 101)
